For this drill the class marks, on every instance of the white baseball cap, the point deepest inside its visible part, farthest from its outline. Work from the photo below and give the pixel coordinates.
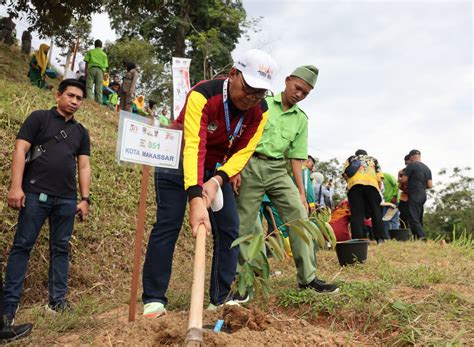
(257, 68)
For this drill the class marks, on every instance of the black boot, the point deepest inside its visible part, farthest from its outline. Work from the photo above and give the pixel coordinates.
(10, 332)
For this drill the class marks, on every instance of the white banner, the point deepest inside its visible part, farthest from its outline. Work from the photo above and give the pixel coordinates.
(181, 84)
(142, 143)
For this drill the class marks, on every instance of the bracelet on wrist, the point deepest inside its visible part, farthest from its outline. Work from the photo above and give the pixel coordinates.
(86, 199)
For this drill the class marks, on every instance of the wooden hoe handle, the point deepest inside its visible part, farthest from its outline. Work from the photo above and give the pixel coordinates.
(194, 333)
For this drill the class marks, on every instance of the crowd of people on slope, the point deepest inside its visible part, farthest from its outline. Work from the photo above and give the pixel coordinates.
(93, 71)
(108, 90)
(240, 143)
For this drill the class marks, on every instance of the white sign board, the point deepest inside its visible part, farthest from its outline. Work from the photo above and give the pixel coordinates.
(142, 143)
(181, 84)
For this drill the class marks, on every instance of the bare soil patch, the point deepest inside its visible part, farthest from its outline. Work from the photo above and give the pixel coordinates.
(244, 327)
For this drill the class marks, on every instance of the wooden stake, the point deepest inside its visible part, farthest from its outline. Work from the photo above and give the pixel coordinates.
(138, 244)
(194, 334)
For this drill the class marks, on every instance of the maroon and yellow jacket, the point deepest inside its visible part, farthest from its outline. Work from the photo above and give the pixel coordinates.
(205, 135)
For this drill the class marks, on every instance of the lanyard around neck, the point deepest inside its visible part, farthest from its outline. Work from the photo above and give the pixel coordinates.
(230, 136)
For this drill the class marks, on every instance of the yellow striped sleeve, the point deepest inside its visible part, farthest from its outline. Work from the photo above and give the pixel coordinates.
(240, 158)
(192, 127)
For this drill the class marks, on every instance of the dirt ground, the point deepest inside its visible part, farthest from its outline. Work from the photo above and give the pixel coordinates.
(242, 326)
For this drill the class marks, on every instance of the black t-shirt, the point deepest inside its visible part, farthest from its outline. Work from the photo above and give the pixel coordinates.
(54, 172)
(418, 174)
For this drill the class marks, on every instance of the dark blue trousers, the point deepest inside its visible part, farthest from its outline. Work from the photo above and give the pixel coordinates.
(415, 208)
(171, 201)
(60, 213)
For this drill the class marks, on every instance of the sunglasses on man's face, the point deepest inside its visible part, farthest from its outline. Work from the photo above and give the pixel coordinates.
(257, 93)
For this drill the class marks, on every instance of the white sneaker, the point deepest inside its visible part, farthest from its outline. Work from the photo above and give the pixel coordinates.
(154, 310)
(213, 307)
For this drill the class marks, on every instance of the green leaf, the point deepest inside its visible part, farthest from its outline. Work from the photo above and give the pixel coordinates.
(322, 228)
(255, 246)
(312, 230)
(332, 235)
(299, 230)
(275, 248)
(281, 241)
(241, 285)
(241, 239)
(319, 235)
(249, 277)
(265, 266)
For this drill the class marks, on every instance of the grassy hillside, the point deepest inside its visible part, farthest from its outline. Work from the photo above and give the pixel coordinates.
(407, 293)
(101, 248)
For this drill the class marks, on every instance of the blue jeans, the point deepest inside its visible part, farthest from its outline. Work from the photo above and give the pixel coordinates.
(171, 205)
(60, 213)
(393, 223)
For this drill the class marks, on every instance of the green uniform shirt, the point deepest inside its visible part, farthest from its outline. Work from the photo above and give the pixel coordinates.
(286, 132)
(391, 187)
(96, 58)
(164, 121)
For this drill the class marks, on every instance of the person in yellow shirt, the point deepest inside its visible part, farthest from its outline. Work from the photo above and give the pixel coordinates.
(363, 175)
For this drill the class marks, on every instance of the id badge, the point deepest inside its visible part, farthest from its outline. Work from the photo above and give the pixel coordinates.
(43, 197)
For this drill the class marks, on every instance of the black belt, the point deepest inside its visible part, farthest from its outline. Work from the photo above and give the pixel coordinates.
(264, 157)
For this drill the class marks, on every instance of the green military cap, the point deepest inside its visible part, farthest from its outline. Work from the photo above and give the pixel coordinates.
(308, 73)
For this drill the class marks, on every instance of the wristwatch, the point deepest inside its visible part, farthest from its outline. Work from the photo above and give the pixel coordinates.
(84, 198)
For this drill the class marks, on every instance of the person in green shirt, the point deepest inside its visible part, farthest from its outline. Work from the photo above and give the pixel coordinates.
(164, 121)
(285, 135)
(96, 65)
(390, 195)
(112, 98)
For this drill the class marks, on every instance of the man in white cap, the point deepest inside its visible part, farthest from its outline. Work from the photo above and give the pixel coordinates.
(222, 122)
(285, 137)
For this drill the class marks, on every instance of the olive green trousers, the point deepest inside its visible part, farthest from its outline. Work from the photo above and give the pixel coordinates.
(271, 177)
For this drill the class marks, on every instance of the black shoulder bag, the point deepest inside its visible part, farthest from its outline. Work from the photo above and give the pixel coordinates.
(37, 150)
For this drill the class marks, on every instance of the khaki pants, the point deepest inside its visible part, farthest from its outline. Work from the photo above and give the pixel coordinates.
(95, 77)
(126, 102)
(271, 177)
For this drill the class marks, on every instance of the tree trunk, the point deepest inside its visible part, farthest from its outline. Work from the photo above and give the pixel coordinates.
(181, 30)
(204, 66)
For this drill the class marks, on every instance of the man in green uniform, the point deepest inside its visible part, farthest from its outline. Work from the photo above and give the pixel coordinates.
(285, 135)
(96, 65)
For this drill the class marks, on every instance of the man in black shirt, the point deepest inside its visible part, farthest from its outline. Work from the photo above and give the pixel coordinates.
(417, 176)
(45, 188)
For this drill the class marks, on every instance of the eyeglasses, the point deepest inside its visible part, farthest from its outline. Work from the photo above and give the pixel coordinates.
(253, 92)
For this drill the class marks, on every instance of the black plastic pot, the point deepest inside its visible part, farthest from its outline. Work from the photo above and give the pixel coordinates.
(352, 251)
(400, 234)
